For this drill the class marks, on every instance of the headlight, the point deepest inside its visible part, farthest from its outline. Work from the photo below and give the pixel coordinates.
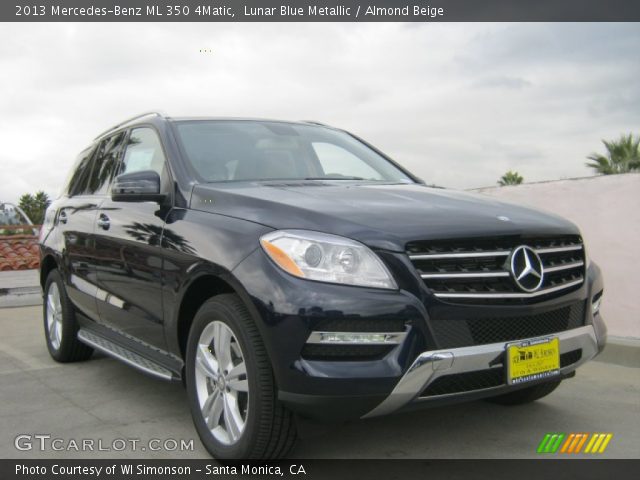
(326, 258)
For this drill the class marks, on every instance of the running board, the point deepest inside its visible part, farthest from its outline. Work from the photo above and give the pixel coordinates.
(123, 354)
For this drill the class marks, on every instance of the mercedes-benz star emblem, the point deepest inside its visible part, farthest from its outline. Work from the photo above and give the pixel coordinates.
(526, 268)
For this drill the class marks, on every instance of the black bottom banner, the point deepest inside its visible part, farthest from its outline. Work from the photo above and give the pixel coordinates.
(318, 469)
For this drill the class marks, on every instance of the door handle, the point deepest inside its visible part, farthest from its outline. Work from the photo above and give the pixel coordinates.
(62, 216)
(103, 221)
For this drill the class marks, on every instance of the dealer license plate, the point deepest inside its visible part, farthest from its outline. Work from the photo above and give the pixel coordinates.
(533, 360)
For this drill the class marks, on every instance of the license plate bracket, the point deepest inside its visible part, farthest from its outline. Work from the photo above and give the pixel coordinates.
(531, 360)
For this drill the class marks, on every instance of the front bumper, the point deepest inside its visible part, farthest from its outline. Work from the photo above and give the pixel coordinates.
(429, 366)
(290, 313)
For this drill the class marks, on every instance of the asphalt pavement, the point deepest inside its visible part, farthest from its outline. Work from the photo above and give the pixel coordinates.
(107, 403)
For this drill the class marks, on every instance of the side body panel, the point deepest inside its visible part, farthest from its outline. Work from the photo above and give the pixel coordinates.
(198, 244)
(75, 222)
(129, 269)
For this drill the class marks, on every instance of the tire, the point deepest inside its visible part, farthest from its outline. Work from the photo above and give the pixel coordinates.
(526, 395)
(263, 428)
(60, 325)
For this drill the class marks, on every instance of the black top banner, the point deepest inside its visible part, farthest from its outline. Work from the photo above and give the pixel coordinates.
(320, 11)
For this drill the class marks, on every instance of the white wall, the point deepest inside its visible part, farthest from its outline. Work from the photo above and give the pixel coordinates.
(607, 210)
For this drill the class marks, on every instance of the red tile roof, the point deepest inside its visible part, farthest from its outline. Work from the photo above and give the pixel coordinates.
(19, 252)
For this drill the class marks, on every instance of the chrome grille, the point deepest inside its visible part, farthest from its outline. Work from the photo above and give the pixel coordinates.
(478, 271)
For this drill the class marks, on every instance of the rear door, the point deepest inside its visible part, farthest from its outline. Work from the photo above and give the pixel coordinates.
(76, 222)
(129, 263)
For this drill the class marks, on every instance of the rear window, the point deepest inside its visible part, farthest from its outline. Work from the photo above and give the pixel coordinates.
(249, 150)
(78, 177)
(106, 161)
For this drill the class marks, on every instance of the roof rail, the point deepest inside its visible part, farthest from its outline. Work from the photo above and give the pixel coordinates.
(128, 120)
(313, 122)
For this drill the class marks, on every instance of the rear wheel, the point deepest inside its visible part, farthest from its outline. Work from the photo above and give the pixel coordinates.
(231, 388)
(526, 395)
(60, 325)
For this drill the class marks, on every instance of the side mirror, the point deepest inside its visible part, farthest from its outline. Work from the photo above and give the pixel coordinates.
(142, 186)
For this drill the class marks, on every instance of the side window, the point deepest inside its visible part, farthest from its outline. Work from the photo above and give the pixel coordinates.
(144, 152)
(105, 164)
(77, 182)
(337, 161)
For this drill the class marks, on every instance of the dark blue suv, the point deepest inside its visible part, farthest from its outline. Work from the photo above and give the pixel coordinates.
(290, 271)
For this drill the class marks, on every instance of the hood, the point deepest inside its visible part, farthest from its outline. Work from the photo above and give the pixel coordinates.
(385, 216)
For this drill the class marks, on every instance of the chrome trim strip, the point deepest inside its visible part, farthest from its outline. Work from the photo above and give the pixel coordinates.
(434, 256)
(465, 275)
(512, 295)
(124, 355)
(433, 364)
(83, 285)
(494, 253)
(565, 266)
(390, 338)
(569, 248)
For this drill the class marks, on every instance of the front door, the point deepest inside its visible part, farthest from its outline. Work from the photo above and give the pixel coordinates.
(129, 254)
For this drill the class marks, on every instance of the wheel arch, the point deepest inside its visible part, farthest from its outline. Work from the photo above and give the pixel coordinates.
(201, 288)
(47, 264)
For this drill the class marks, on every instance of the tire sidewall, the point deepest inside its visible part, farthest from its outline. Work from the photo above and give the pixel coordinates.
(68, 318)
(212, 311)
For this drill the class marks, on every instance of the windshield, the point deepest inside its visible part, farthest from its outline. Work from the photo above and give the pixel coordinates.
(241, 150)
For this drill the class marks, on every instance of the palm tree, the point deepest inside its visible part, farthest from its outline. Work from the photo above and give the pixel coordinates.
(623, 156)
(510, 178)
(34, 206)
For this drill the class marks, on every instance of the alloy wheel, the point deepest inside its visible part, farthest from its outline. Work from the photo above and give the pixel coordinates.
(54, 316)
(221, 383)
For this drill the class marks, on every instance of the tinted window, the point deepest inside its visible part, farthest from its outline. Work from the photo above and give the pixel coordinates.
(144, 152)
(251, 150)
(79, 174)
(105, 164)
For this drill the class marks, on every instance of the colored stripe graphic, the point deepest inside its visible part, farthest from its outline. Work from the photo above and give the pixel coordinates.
(581, 443)
(574, 442)
(550, 443)
(590, 444)
(604, 445)
(543, 443)
(567, 443)
(598, 443)
(556, 445)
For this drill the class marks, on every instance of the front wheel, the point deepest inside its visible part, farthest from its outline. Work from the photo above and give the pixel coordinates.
(230, 385)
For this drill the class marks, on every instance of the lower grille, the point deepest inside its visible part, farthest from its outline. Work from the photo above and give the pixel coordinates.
(480, 331)
(481, 379)
(570, 358)
(345, 352)
(465, 382)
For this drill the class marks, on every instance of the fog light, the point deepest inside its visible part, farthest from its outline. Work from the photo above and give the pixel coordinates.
(353, 337)
(357, 338)
(595, 304)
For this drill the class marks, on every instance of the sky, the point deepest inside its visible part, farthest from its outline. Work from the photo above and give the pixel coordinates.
(457, 104)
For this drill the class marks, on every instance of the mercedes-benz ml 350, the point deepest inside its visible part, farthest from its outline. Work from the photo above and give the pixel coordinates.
(291, 271)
